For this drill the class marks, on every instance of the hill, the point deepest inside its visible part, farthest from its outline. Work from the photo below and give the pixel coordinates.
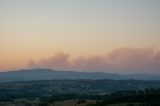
(49, 74)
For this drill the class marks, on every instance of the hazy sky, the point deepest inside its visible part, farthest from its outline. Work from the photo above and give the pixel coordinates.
(33, 31)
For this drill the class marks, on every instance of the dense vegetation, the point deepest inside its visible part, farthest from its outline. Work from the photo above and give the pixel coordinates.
(101, 92)
(147, 97)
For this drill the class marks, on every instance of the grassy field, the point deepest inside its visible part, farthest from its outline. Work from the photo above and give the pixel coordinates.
(73, 103)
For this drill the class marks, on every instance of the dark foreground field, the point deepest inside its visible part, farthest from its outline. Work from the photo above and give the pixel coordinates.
(80, 93)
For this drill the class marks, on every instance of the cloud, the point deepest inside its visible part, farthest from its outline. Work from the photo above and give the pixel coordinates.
(126, 60)
(134, 59)
(58, 61)
(97, 63)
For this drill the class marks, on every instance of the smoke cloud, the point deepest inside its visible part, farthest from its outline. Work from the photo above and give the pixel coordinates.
(121, 60)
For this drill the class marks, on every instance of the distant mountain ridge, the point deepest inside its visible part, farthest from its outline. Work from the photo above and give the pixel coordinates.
(49, 74)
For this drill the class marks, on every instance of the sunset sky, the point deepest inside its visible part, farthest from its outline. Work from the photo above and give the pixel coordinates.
(119, 36)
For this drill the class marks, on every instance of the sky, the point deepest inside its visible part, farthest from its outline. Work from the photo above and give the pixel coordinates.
(117, 36)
